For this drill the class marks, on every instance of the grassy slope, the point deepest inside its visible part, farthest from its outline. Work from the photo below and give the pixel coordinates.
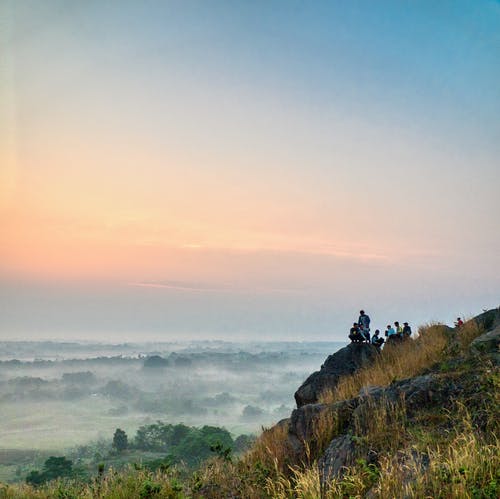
(446, 450)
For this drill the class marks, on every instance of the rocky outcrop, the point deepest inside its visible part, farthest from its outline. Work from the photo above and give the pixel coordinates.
(344, 362)
(340, 453)
(489, 319)
(309, 421)
(487, 343)
(327, 430)
(412, 395)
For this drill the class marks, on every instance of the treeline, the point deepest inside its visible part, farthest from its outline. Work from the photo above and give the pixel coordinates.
(228, 360)
(182, 443)
(178, 444)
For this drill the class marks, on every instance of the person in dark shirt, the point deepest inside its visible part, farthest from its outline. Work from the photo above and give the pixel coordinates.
(406, 330)
(355, 334)
(377, 340)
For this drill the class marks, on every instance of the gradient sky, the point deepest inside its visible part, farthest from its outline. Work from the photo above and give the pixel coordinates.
(251, 169)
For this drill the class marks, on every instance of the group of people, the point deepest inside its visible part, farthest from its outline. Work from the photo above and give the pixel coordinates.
(360, 332)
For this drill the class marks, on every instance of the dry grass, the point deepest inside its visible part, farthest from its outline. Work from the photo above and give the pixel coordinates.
(382, 424)
(219, 478)
(399, 361)
(303, 483)
(271, 450)
(465, 467)
(466, 464)
(325, 428)
(354, 484)
(466, 333)
(122, 485)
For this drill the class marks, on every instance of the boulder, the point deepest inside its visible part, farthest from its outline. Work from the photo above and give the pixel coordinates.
(340, 454)
(342, 363)
(413, 393)
(488, 343)
(311, 421)
(489, 319)
(304, 419)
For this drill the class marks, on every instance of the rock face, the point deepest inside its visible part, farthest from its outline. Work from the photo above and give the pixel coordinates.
(489, 319)
(340, 453)
(487, 343)
(346, 361)
(309, 423)
(416, 393)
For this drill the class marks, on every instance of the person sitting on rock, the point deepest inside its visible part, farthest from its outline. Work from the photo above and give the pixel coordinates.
(399, 330)
(377, 340)
(406, 330)
(355, 334)
(459, 323)
(390, 333)
(365, 333)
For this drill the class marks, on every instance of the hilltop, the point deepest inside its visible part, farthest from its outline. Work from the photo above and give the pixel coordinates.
(420, 419)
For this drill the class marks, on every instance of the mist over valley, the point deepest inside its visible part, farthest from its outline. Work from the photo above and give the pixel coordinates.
(58, 395)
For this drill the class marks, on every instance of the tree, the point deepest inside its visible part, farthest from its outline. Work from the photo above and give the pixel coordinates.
(120, 440)
(54, 467)
(154, 437)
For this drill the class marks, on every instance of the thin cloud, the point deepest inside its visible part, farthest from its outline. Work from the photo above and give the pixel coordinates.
(208, 288)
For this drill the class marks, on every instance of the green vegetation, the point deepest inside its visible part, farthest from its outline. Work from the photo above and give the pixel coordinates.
(182, 443)
(156, 451)
(120, 440)
(54, 467)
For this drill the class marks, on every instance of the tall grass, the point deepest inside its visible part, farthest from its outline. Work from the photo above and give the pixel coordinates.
(464, 335)
(126, 484)
(467, 465)
(271, 450)
(381, 424)
(303, 483)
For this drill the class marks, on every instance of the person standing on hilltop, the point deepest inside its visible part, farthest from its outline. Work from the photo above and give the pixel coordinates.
(390, 333)
(377, 340)
(399, 330)
(459, 323)
(364, 324)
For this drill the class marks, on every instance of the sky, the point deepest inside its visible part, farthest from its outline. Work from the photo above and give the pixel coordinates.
(246, 169)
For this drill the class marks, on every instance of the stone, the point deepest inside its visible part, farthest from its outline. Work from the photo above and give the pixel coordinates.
(344, 362)
(340, 454)
(489, 319)
(306, 419)
(486, 343)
